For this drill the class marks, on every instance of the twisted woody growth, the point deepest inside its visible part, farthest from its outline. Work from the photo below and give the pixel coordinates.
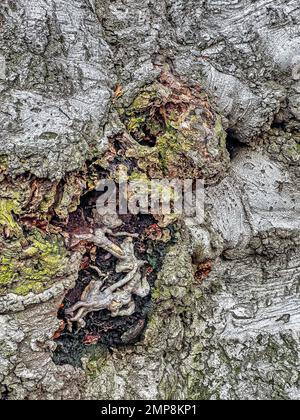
(117, 298)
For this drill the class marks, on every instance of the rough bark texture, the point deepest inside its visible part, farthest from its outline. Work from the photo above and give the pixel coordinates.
(67, 68)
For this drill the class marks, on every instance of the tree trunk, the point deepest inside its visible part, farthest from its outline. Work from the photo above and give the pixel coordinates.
(182, 88)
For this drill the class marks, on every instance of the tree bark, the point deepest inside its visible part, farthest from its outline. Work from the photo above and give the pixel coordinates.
(68, 70)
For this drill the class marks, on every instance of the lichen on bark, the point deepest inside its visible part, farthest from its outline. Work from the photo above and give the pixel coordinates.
(177, 131)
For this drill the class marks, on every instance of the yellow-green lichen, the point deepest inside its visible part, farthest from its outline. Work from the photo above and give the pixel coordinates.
(31, 268)
(134, 123)
(9, 208)
(161, 293)
(172, 146)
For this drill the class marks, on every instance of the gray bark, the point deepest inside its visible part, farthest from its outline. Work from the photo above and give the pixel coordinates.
(235, 335)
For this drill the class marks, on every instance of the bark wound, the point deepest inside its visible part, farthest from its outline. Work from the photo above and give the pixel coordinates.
(101, 328)
(167, 125)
